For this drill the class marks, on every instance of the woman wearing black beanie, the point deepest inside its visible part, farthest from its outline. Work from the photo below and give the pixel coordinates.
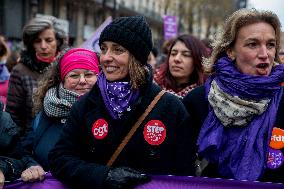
(90, 153)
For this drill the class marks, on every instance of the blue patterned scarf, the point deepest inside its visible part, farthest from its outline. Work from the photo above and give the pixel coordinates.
(117, 96)
(240, 152)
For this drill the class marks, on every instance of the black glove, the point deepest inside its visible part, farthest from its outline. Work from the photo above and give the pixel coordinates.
(11, 168)
(124, 177)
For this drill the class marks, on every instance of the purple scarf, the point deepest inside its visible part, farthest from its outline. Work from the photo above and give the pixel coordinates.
(241, 152)
(118, 96)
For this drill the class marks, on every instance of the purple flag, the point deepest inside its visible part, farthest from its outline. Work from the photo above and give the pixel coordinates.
(48, 183)
(170, 27)
(93, 42)
(184, 182)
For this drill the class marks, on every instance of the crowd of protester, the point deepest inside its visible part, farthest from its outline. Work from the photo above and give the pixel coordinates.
(113, 118)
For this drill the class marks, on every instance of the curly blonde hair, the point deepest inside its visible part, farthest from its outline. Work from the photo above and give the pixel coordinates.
(227, 38)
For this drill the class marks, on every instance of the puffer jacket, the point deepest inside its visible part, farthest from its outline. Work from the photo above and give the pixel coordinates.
(13, 159)
(23, 82)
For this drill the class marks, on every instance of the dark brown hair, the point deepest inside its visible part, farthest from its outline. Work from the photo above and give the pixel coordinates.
(198, 51)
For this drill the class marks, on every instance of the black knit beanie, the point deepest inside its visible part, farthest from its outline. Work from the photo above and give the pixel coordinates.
(133, 33)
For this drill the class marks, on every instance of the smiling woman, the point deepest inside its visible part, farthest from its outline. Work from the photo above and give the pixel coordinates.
(239, 110)
(103, 119)
(77, 77)
(111, 55)
(72, 74)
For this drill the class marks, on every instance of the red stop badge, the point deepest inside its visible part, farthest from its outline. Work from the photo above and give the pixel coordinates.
(100, 129)
(154, 132)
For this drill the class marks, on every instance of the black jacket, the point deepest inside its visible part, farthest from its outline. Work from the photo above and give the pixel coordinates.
(79, 159)
(41, 138)
(13, 158)
(197, 106)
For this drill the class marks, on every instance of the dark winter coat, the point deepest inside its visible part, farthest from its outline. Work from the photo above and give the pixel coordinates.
(23, 82)
(13, 159)
(42, 137)
(197, 106)
(80, 157)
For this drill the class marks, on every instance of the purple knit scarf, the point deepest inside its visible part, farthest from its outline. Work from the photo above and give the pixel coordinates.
(117, 96)
(241, 152)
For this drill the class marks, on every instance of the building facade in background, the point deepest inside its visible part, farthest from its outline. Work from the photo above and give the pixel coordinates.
(82, 17)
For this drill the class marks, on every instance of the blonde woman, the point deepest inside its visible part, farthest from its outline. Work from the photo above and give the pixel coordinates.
(239, 110)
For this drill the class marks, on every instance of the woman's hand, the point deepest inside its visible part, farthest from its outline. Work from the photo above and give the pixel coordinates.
(33, 173)
(2, 179)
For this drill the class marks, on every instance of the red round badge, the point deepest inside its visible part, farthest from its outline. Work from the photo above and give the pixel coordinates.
(154, 132)
(100, 129)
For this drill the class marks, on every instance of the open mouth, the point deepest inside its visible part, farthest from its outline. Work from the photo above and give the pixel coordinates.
(263, 65)
(262, 69)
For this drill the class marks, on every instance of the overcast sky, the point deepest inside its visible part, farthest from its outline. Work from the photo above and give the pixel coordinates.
(277, 6)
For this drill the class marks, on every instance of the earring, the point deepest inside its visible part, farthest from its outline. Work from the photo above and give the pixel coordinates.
(232, 58)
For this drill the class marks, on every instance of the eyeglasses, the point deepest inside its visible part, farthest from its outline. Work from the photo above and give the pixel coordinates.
(75, 78)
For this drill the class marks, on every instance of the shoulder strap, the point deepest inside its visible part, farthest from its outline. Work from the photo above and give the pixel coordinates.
(36, 121)
(134, 128)
(40, 125)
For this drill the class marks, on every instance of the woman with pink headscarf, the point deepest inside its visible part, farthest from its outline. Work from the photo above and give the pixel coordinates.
(72, 75)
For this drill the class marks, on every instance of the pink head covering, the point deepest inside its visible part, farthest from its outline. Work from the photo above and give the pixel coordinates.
(78, 58)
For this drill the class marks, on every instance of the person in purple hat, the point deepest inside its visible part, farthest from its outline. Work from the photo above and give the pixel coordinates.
(85, 155)
(239, 110)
